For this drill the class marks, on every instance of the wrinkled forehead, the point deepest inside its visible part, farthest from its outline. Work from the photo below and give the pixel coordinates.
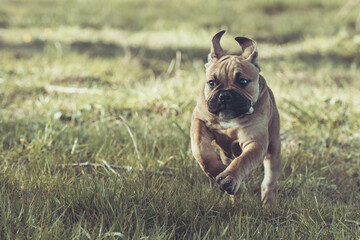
(227, 67)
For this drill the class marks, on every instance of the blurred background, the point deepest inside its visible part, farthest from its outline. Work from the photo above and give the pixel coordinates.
(119, 44)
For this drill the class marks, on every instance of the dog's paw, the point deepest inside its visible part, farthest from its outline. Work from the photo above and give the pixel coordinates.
(268, 196)
(228, 182)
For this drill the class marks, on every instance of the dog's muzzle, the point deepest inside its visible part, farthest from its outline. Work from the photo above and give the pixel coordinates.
(229, 104)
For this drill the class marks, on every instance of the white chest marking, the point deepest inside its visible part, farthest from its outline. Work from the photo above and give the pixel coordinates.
(229, 124)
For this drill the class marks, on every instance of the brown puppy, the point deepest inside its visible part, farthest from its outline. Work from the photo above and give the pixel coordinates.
(237, 114)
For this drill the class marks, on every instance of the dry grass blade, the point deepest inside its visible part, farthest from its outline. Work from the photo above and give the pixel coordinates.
(349, 6)
(72, 90)
(111, 167)
(97, 165)
(133, 140)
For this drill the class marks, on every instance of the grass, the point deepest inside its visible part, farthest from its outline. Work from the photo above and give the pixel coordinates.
(143, 61)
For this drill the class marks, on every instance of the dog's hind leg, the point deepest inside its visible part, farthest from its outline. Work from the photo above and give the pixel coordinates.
(272, 171)
(225, 159)
(224, 152)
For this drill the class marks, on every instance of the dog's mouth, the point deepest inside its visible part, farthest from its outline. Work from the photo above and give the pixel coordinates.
(229, 104)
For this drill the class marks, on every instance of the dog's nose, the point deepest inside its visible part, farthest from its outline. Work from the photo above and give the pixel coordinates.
(225, 96)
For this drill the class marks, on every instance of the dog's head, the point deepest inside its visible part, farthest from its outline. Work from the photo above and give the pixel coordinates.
(232, 86)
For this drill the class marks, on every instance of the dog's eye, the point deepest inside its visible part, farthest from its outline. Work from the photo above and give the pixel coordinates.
(242, 82)
(212, 83)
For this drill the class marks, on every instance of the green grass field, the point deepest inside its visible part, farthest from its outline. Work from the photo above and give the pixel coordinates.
(69, 68)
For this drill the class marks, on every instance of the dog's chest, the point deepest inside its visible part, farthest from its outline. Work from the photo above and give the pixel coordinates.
(229, 124)
(229, 128)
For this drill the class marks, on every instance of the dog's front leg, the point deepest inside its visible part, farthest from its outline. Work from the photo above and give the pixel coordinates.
(253, 154)
(203, 151)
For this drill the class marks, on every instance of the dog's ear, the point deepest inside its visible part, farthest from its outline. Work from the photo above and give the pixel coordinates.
(249, 48)
(216, 51)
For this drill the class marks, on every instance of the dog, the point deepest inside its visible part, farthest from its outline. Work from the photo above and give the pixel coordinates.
(236, 113)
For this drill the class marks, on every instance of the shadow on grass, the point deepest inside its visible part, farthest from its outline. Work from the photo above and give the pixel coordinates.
(102, 49)
(146, 55)
(23, 50)
(110, 50)
(316, 59)
(157, 60)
